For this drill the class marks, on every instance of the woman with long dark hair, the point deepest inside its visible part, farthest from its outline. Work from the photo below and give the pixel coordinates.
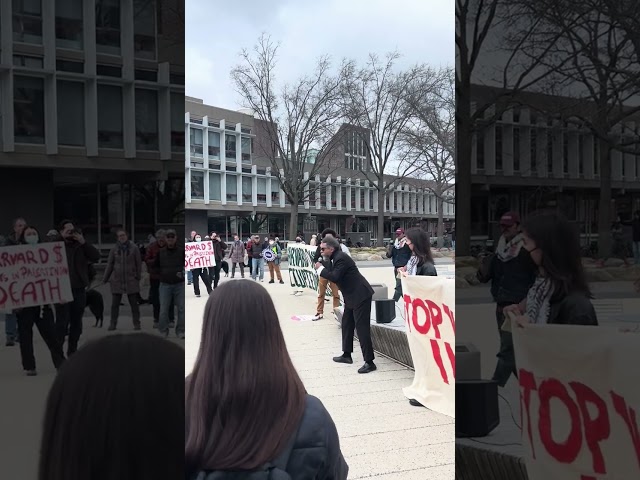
(421, 260)
(246, 407)
(30, 316)
(116, 410)
(560, 293)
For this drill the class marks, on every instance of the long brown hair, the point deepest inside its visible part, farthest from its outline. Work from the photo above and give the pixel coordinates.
(244, 398)
(421, 245)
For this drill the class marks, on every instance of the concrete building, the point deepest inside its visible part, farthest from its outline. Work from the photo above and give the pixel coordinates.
(532, 159)
(231, 188)
(91, 115)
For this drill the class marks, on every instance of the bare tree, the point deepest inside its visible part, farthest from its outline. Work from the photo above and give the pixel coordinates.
(429, 142)
(376, 100)
(297, 119)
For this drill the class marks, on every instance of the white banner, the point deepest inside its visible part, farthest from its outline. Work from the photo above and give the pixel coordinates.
(429, 304)
(32, 275)
(302, 273)
(199, 255)
(580, 399)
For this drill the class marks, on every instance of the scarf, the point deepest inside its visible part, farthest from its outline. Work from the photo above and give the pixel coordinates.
(507, 251)
(538, 301)
(400, 243)
(412, 265)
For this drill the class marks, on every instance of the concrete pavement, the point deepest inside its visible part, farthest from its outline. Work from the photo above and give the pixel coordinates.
(23, 399)
(381, 435)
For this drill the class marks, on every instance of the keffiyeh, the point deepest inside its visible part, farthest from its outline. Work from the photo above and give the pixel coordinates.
(539, 301)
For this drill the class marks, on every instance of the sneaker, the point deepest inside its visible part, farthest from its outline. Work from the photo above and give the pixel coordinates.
(198, 295)
(317, 317)
(271, 281)
(281, 282)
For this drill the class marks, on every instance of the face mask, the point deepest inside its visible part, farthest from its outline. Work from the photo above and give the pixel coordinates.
(31, 239)
(198, 239)
(271, 242)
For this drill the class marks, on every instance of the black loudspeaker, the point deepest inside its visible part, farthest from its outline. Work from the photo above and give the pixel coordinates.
(385, 311)
(477, 411)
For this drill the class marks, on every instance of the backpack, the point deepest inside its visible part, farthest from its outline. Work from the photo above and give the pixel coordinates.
(274, 470)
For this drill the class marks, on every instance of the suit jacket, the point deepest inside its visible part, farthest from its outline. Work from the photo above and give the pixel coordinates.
(343, 271)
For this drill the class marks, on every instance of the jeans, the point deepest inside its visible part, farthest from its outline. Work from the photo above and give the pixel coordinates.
(636, 252)
(189, 276)
(69, 317)
(257, 268)
(169, 292)
(11, 326)
(154, 298)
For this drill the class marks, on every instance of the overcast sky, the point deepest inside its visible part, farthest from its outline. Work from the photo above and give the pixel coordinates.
(216, 31)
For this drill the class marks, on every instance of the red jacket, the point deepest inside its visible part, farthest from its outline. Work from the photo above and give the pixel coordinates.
(149, 259)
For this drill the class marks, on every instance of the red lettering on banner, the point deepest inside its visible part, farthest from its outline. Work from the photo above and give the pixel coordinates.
(435, 349)
(528, 384)
(44, 255)
(452, 357)
(436, 317)
(422, 329)
(595, 429)
(57, 250)
(628, 414)
(407, 302)
(449, 314)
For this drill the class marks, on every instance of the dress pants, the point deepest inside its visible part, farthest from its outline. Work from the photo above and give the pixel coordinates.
(27, 318)
(154, 298)
(199, 273)
(359, 319)
(69, 319)
(322, 290)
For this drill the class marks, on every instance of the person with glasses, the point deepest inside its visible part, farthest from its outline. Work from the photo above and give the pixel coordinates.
(169, 264)
(511, 272)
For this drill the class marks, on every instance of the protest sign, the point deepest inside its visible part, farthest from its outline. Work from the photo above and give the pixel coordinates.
(429, 304)
(302, 273)
(579, 395)
(199, 255)
(32, 275)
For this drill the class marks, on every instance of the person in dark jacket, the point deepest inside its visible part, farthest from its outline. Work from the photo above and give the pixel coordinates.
(339, 268)
(399, 252)
(265, 420)
(511, 273)
(30, 316)
(323, 283)
(154, 277)
(119, 405)
(560, 294)
(219, 247)
(170, 266)
(200, 273)
(257, 261)
(421, 262)
(79, 255)
(11, 320)
(635, 236)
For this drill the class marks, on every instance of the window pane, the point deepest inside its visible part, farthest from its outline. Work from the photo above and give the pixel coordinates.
(195, 139)
(262, 190)
(70, 113)
(275, 190)
(69, 24)
(230, 147)
(146, 119)
(215, 187)
(28, 104)
(177, 123)
(246, 189)
(214, 145)
(197, 185)
(246, 150)
(27, 21)
(232, 188)
(108, 26)
(170, 201)
(144, 27)
(109, 116)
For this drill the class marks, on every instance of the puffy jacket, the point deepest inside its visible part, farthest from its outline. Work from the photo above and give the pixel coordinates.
(170, 264)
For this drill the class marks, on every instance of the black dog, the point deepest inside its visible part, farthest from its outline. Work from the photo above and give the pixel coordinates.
(225, 267)
(95, 302)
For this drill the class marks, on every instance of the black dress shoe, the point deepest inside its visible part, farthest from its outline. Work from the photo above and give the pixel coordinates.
(415, 403)
(367, 367)
(343, 359)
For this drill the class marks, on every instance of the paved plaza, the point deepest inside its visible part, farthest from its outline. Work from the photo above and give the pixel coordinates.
(381, 435)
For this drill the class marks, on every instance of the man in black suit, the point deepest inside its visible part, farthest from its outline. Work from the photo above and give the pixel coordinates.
(339, 268)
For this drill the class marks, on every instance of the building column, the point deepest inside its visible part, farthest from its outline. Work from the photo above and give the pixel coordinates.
(558, 150)
(574, 163)
(339, 193)
(358, 195)
(305, 176)
(348, 193)
(490, 145)
(254, 186)
(525, 142)
(269, 186)
(328, 187)
(367, 198)
(319, 186)
(376, 192)
(588, 147)
(282, 199)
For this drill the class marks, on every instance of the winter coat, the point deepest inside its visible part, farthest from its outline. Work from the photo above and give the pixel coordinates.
(150, 258)
(219, 248)
(255, 250)
(236, 254)
(124, 269)
(79, 257)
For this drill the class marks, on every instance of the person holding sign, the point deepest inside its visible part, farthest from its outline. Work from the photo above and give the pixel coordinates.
(30, 316)
(200, 273)
(123, 273)
(421, 261)
(560, 293)
(343, 271)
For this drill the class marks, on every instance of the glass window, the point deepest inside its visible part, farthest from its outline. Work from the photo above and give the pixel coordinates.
(323, 196)
(69, 66)
(170, 201)
(28, 104)
(109, 116)
(110, 71)
(334, 196)
(195, 136)
(177, 122)
(27, 21)
(214, 145)
(146, 119)
(108, 26)
(28, 61)
(232, 188)
(480, 151)
(70, 113)
(144, 28)
(353, 197)
(230, 147)
(498, 139)
(262, 190)
(215, 187)
(79, 202)
(246, 189)
(275, 191)
(197, 185)
(69, 24)
(343, 200)
(246, 150)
